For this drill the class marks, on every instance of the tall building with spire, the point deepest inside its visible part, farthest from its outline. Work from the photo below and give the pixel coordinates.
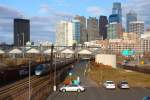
(117, 10)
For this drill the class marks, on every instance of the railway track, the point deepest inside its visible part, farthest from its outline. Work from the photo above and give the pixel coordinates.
(21, 85)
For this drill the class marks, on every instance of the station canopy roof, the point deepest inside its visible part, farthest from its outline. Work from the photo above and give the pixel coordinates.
(48, 51)
(67, 51)
(2, 52)
(15, 51)
(85, 51)
(33, 51)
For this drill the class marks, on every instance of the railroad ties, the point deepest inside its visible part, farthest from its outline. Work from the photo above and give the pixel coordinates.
(41, 86)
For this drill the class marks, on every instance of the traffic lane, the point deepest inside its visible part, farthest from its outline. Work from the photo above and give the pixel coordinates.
(89, 94)
(97, 93)
(125, 94)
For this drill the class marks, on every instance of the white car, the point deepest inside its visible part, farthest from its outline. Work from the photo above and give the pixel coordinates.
(109, 85)
(72, 88)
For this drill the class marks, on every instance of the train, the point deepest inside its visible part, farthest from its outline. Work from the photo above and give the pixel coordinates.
(43, 69)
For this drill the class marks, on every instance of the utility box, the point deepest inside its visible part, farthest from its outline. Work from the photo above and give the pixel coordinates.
(106, 59)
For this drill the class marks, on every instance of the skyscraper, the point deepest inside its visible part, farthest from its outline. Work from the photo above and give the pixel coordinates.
(103, 26)
(131, 16)
(114, 18)
(117, 10)
(76, 31)
(92, 28)
(136, 27)
(21, 32)
(83, 33)
(68, 33)
(114, 31)
(62, 33)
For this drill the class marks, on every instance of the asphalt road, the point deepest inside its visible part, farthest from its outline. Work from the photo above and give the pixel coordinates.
(94, 92)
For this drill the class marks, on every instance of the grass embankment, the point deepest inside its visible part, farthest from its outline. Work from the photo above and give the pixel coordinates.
(100, 73)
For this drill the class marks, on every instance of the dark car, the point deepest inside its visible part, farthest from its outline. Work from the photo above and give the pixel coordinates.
(146, 98)
(123, 85)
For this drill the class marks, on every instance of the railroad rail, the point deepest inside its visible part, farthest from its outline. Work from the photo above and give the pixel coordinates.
(20, 89)
(10, 90)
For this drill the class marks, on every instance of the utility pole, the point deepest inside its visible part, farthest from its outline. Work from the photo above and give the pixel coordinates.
(23, 44)
(51, 62)
(55, 74)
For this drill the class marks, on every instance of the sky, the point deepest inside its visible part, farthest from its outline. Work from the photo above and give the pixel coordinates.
(44, 14)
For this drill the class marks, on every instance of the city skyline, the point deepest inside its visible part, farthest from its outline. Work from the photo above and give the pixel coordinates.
(45, 14)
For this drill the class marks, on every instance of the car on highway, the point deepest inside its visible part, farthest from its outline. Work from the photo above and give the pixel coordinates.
(72, 88)
(109, 85)
(123, 85)
(146, 98)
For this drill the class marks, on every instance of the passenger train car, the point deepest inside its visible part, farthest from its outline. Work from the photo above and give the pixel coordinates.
(42, 69)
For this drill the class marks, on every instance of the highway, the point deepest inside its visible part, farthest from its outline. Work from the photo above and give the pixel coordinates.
(95, 92)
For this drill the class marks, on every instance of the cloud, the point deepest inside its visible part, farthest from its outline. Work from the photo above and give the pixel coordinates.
(41, 27)
(94, 10)
(7, 12)
(45, 9)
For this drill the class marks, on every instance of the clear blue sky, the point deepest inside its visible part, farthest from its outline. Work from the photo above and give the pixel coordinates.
(44, 14)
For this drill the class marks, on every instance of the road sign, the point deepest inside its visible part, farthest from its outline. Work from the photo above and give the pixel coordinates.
(128, 52)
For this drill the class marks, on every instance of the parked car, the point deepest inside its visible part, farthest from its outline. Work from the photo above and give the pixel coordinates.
(123, 85)
(72, 88)
(109, 85)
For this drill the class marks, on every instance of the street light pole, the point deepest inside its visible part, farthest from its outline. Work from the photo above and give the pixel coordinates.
(51, 62)
(55, 76)
(54, 87)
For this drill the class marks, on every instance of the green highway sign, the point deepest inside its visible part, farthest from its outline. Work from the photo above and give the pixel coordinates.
(128, 52)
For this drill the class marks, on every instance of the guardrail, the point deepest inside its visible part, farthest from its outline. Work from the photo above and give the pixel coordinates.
(136, 68)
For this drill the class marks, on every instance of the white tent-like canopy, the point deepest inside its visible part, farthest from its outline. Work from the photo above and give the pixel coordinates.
(15, 51)
(33, 51)
(67, 51)
(85, 52)
(48, 51)
(2, 52)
